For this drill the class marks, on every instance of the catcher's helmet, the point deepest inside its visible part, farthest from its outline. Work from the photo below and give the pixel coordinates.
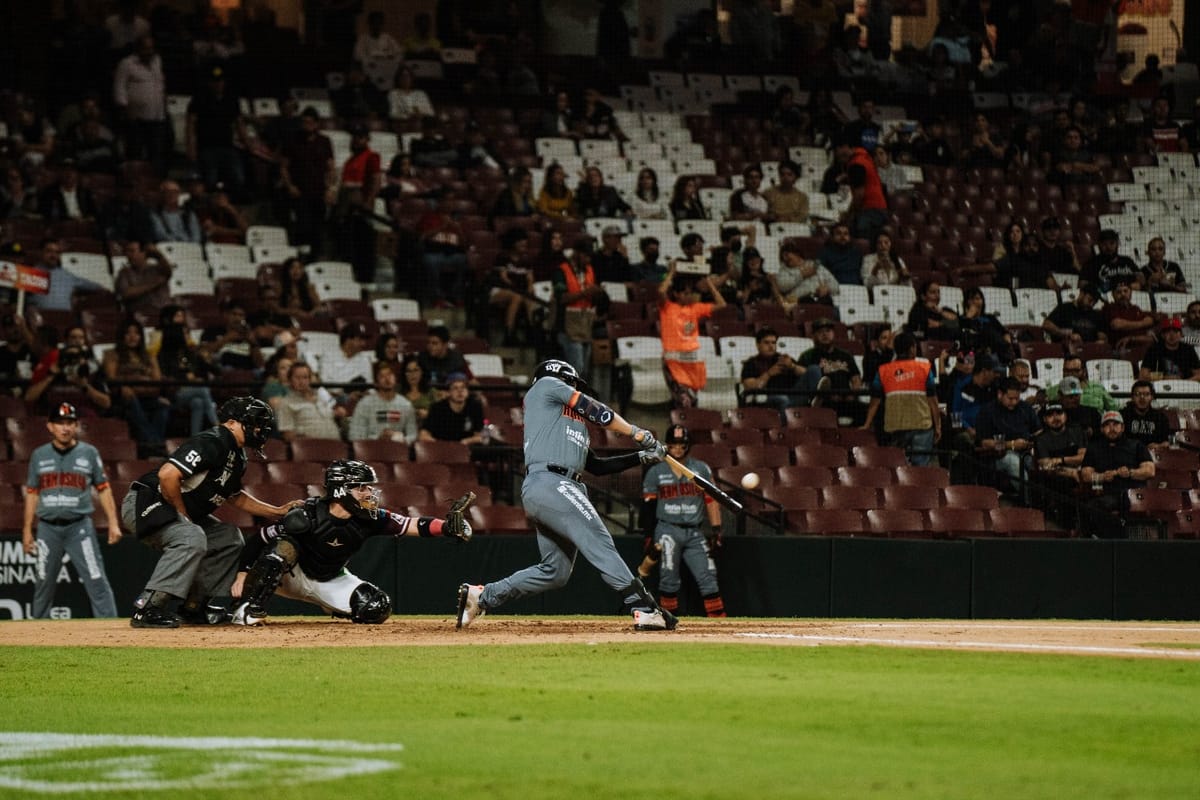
(341, 476)
(677, 434)
(257, 418)
(555, 368)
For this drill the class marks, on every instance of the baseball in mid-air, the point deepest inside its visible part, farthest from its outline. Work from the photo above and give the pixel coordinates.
(750, 480)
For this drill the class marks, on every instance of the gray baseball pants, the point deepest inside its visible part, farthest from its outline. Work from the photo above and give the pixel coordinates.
(204, 557)
(78, 540)
(566, 524)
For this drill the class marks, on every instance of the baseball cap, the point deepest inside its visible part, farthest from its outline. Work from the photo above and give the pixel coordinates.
(1109, 235)
(821, 324)
(1172, 324)
(455, 377)
(1070, 385)
(612, 230)
(1112, 416)
(63, 412)
(1052, 408)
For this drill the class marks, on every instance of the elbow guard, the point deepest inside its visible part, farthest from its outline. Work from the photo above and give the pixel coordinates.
(592, 409)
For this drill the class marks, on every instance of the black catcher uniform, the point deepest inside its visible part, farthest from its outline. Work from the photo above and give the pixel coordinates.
(304, 555)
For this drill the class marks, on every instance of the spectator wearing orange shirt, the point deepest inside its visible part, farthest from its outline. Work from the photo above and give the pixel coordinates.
(679, 317)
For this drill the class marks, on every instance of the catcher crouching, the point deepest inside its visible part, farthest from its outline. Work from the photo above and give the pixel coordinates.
(304, 555)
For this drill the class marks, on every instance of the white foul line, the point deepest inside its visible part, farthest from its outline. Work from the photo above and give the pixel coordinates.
(943, 644)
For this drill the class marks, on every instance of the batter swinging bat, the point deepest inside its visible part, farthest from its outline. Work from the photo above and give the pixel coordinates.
(707, 485)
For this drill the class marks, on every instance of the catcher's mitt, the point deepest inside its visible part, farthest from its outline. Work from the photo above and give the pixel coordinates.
(456, 524)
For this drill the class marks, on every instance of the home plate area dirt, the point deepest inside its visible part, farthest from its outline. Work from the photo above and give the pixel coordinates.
(1177, 640)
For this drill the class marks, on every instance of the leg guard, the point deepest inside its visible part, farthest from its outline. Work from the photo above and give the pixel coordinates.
(369, 605)
(264, 577)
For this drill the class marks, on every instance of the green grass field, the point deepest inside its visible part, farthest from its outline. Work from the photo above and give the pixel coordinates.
(610, 721)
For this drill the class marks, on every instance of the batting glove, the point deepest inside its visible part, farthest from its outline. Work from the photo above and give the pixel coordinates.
(456, 524)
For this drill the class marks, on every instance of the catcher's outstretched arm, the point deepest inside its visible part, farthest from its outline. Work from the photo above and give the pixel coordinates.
(455, 523)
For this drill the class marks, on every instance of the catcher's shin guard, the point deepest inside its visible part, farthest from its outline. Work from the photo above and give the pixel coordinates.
(264, 578)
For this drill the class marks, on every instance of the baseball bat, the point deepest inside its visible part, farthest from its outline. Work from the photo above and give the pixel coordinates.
(707, 485)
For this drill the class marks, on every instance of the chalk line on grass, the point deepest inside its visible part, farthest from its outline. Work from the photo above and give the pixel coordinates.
(59, 763)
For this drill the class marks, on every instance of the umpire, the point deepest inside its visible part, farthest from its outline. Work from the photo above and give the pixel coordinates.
(171, 510)
(58, 494)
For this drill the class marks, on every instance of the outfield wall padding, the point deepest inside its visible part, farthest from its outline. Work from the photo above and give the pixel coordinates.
(760, 576)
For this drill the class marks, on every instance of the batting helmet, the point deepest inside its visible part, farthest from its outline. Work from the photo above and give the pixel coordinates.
(554, 368)
(257, 418)
(341, 476)
(677, 434)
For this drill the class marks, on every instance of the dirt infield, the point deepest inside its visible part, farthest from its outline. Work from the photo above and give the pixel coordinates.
(1123, 639)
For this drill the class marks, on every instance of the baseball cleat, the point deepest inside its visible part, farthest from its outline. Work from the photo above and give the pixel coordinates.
(244, 615)
(208, 614)
(469, 606)
(653, 619)
(153, 617)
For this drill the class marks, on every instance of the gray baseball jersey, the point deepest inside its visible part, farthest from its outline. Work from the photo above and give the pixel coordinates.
(63, 481)
(554, 433)
(680, 502)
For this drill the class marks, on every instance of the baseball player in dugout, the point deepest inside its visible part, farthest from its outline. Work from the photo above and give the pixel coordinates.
(58, 497)
(679, 509)
(304, 555)
(171, 508)
(557, 447)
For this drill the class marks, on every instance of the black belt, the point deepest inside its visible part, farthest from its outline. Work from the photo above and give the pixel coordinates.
(566, 473)
(70, 521)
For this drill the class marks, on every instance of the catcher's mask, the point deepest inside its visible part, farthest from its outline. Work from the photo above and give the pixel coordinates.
(256, 417)
(677, 434)
(342, 476)
(555, 368)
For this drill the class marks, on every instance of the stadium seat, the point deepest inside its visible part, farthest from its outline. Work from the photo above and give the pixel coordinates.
(377, 452)
(953, 523)
(442, 452)
(1154, 502)
(820, 456)
(809, 475)
(1019, 523)
(920, 498)
(855, 497)
(981, 498)
(807, 417)
(305, 448)
(874, 477)
(793, 498)
(697, 419)
(732, 437)
(715, 455)
(393, 495)
(446, 493)
(762, 455)
(425, 474)
(755, 417)
(866, 456)
(303, 472)
(896, 523)
(828, 522)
